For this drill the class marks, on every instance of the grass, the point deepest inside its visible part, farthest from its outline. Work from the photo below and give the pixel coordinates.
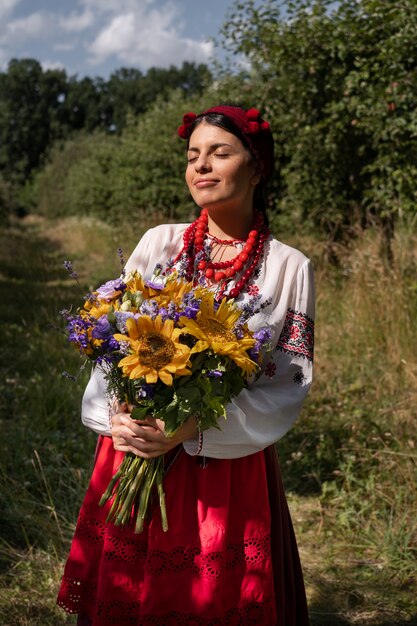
(349, 464)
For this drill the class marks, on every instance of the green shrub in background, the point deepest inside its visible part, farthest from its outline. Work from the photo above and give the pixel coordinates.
(54, 192)
(139, 173)
(338, 82)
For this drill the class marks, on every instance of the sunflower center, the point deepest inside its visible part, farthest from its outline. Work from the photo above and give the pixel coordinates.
(155, 350)
(215, 331)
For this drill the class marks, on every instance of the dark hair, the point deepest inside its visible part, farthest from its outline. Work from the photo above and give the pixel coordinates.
(224, 122)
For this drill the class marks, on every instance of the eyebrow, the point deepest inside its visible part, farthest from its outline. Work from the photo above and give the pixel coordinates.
(214, 146)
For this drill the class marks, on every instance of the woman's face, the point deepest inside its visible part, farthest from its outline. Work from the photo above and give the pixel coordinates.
(221, 173)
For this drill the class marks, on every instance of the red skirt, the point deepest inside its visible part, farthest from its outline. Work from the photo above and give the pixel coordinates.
(228, 558)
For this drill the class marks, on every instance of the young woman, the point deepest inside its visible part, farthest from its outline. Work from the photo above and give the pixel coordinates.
(230, 555)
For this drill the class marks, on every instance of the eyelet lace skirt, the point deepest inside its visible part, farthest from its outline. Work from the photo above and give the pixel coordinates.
(228, 558)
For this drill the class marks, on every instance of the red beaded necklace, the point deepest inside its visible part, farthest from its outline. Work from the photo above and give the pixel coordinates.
(244, 263)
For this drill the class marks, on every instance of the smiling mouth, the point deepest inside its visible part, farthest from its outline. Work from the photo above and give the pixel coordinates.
(200, 184)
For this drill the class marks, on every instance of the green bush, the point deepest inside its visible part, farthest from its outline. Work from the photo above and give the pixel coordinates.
(338, 82)
(55, 191)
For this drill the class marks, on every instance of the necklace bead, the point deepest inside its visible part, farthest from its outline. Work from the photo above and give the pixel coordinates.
(245, 261)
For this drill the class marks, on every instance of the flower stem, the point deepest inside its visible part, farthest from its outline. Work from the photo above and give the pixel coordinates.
(125, 510)
(144, 496)
(161, 494)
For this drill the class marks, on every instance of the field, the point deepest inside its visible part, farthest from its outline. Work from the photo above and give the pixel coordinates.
(350, 463)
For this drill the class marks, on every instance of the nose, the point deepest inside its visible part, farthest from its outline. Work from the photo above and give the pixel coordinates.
(202, 164)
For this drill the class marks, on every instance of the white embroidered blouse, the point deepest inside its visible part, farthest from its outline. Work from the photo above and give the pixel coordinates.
(264, 411)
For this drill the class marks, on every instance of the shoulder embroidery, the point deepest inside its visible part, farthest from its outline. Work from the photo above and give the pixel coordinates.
(297, 335)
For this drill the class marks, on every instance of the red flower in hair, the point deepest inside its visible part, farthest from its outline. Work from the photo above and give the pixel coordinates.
(187, 120)
(255, 123)
(253, 115)
(253, 128)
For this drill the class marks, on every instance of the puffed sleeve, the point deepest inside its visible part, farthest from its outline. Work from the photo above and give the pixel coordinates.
(95, 403)
(264, 411)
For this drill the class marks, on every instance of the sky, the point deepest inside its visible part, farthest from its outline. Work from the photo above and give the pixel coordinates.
(96, 37)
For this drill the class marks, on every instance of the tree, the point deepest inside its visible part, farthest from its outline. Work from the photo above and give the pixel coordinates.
(338, 81)
(38, 108)
(30, 104)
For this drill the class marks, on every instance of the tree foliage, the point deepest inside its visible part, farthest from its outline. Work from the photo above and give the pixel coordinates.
(122, 178)
(338, 82)
(39, 107)
(139, 174)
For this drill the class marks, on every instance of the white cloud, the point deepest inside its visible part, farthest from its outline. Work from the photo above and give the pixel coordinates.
(114, 38)
(76, 22)
(142, 33)
(64, 47)
(147, 38)
(6, 7)
(116, 6)
(35, 26)
(52, 65)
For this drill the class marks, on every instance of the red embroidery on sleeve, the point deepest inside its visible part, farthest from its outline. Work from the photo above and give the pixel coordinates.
(297, 336)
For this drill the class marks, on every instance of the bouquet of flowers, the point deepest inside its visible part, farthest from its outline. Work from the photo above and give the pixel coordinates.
(170, 350)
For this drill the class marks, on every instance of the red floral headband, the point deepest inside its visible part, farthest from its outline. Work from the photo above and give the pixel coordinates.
(256, 131)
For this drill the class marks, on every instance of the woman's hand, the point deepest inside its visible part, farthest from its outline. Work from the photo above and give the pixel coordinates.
(146, 438)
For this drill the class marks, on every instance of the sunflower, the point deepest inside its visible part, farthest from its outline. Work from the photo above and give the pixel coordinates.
(214, 330)
(155, 350)
(97, 309)
(173, 290)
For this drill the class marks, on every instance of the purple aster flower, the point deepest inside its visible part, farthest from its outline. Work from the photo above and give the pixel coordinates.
(183, 265)
(91, 297)
(112, 343)
(158, 286)
(163, 312)
(124, 347)
(111, 288)
(191, 306)
(106, 359)
(172, 312)
(263, 335)
(102, 329)
(149, 307)
(215, 374)
(121, 317)
(77, 331)
(145, 392)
